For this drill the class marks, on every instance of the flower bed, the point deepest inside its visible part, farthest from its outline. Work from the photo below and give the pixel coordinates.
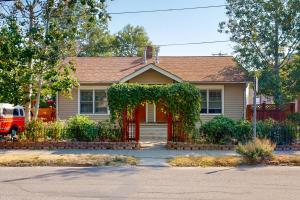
(193, 146)
(69, 145)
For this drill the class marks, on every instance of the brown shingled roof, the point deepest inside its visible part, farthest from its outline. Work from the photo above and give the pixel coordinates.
(188, 68)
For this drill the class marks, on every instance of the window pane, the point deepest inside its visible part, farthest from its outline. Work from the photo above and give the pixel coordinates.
(101, 103)
(86, 107)
(21, 112)
(15, 112)
(203, 101)
(86, 95)
(215, 101)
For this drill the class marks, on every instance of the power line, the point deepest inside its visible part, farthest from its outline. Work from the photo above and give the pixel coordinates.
(167, 10)
(194, 43)
(144, 11)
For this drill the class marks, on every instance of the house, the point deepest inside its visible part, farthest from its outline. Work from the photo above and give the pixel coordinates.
(221, 82)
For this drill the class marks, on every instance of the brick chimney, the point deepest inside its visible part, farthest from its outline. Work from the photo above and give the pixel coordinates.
(148, 51)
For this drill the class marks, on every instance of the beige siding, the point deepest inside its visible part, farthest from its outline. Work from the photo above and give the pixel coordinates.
(234, 99)
(151, 77)
(69, 107)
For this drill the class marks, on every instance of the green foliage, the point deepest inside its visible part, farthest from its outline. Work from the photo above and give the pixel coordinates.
(256, 151)
(243, 131)
(181, 99)
(219, 130)
(266, 33)
(108, 131)
(34, 131)
(81, 128)
(12, 63)
(294, 118)
(54, 130)
(130, 41)
(278, 132)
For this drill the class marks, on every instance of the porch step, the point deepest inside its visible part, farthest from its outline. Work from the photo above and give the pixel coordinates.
(153, 132)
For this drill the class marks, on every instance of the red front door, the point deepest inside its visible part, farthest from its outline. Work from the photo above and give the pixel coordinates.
(161, 113)
(142, 113)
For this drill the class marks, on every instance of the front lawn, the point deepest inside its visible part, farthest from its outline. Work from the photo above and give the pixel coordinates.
(231, 161)
(69, 160)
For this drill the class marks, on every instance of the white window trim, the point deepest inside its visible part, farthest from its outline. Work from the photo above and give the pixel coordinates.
(212, 87)
(92, 88)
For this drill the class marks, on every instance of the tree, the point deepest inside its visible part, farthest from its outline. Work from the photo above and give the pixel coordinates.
(266, 34)
(12, 64)
(130, 41)
(50, 29)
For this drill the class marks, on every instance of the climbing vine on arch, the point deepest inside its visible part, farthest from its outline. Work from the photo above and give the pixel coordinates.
(182, 100)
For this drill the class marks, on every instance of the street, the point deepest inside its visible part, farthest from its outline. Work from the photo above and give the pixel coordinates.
(45, 183)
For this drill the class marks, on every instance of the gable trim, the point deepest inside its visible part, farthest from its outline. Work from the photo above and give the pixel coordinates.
(153, 67)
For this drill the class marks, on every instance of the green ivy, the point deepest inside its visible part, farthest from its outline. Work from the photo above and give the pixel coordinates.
(183, 100)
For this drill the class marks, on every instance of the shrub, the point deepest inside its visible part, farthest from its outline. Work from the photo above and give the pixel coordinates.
(108, 131)
(263, 128)
(256, 151)
(219, 130)
(294, 118)
(243, 131)
(34, 131)
(54, 130)
(281, 133)
(81, 128)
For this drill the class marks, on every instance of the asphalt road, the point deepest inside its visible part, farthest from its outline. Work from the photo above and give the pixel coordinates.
(52, 183)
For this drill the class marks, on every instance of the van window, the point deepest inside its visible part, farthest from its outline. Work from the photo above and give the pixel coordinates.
(16, 112)
(7, 111)
(21, 112)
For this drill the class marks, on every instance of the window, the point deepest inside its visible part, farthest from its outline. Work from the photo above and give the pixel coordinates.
(21, 112)
(101, 103)
(86, 101)
(16, 112)
(211, 101)
(203, 101)
(93, 102)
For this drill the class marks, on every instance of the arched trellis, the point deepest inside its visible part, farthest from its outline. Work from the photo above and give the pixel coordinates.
(182, 101)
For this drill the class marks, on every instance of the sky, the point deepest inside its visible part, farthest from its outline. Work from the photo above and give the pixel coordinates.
(177, 26)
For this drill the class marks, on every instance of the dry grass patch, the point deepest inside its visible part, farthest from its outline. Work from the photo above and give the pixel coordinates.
(72, 160)
(232, 161)
(284, 160)
(205, 161)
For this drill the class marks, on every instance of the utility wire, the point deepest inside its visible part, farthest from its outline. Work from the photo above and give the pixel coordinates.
(166, 10)
(144, 11)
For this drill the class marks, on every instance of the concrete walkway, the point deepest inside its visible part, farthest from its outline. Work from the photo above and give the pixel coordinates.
(152, 154)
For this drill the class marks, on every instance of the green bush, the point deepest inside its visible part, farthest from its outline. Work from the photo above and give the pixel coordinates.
(219, 130)
(243, 131)
(108, 131)
(54, 130)
(34, 131)
(282, 133)
(256, 151)
(81, 128)
(294, 118)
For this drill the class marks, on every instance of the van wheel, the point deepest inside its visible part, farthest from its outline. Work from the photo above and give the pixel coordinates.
(13, 133)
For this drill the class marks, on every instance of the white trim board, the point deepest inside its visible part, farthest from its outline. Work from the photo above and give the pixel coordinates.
(153, 67)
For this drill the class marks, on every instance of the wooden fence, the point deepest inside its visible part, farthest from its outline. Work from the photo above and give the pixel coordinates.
(266, 111)
(47, 114)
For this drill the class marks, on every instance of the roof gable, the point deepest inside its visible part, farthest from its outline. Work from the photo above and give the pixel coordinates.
(150, 67)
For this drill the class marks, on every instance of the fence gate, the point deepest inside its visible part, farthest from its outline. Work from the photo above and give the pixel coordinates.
(131, 126)
(175, 130)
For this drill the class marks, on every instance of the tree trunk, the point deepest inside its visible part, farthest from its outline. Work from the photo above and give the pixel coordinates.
(30, 86)
(276, 69)
(38, 98)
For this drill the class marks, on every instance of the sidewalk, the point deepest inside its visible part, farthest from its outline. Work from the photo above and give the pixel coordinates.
(152, 154)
